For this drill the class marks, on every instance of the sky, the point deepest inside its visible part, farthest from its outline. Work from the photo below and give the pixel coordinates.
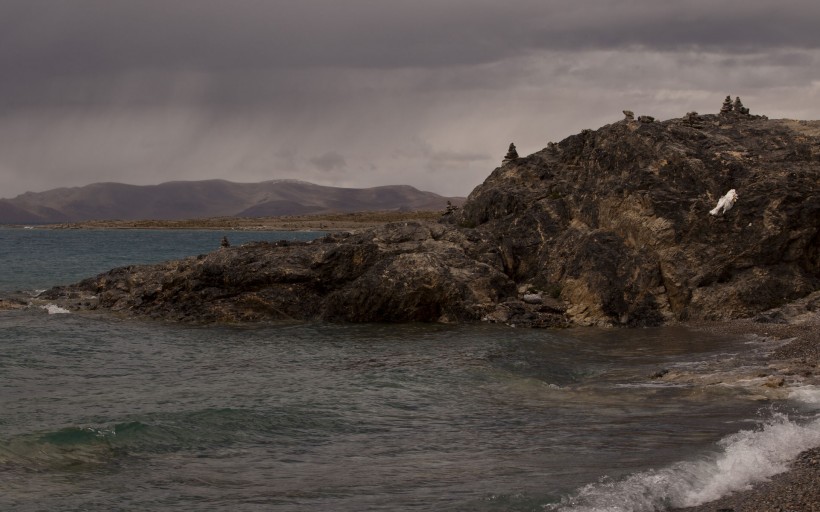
(362, 93)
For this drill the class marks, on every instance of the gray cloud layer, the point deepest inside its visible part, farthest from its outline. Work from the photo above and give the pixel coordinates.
(363, 92)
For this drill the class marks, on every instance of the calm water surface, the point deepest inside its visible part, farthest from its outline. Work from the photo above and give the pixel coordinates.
(100, 413)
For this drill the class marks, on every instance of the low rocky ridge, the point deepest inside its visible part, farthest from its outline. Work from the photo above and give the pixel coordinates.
(607, 227)
(404, 272)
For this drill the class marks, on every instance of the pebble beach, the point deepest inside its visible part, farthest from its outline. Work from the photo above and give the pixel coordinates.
(798, 359)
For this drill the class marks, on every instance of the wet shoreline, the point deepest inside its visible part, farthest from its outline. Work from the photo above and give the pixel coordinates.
(797, 359)
(796, 490)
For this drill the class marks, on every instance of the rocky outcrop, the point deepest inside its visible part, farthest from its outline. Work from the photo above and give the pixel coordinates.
(618, 219)
(402, 272)
(607, 227)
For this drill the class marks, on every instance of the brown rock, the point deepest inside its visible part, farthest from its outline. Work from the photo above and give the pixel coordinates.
(774, 382)
(618, 220)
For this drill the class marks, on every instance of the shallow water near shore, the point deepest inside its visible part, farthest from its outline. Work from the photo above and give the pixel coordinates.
(101, 413)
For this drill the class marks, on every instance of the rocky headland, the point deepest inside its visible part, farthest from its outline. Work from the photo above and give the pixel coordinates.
(632, 224)
(614, 226)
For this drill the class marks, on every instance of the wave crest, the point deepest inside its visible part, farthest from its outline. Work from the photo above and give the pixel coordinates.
(54, 309)
(746, 458)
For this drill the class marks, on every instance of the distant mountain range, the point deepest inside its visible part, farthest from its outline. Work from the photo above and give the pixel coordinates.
(211, 198)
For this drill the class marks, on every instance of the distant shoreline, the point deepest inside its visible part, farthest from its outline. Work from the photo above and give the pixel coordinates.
(316, 222)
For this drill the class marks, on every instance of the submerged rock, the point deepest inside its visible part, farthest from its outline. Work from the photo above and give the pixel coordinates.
(613, 224)
(10, 304)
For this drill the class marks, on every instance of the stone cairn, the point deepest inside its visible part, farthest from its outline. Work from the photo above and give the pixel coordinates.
(511, 155)
(738, 106)
(552, 147)
(451, 208)
(629, 115)
(224, 242)
(727, 105)
(692, 119)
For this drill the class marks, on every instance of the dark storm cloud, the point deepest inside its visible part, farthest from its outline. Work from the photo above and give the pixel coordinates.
(143, 91)
(81, 52)
(104, 36)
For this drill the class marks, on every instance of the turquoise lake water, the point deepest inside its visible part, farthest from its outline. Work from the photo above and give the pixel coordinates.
(99, 413)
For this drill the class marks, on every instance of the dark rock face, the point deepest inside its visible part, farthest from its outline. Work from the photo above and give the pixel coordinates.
(608, 227)
(402, 272)
(618, 219)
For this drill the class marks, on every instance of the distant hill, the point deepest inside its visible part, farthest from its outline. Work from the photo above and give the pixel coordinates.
(211, 198)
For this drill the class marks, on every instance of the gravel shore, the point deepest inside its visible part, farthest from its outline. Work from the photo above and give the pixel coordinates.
(798, 489)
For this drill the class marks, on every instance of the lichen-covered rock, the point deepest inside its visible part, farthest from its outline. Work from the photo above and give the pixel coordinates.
(618, 219)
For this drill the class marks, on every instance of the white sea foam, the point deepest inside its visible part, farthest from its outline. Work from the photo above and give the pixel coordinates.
(744, 458)
(806, 394)
(54, 309)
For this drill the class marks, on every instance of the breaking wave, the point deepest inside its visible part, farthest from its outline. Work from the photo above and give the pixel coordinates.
(742, 460)
(54, 309)
(808, 395)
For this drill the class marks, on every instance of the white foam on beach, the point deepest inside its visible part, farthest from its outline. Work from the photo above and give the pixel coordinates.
(745, 458)
(53, 309)
(806, 394)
